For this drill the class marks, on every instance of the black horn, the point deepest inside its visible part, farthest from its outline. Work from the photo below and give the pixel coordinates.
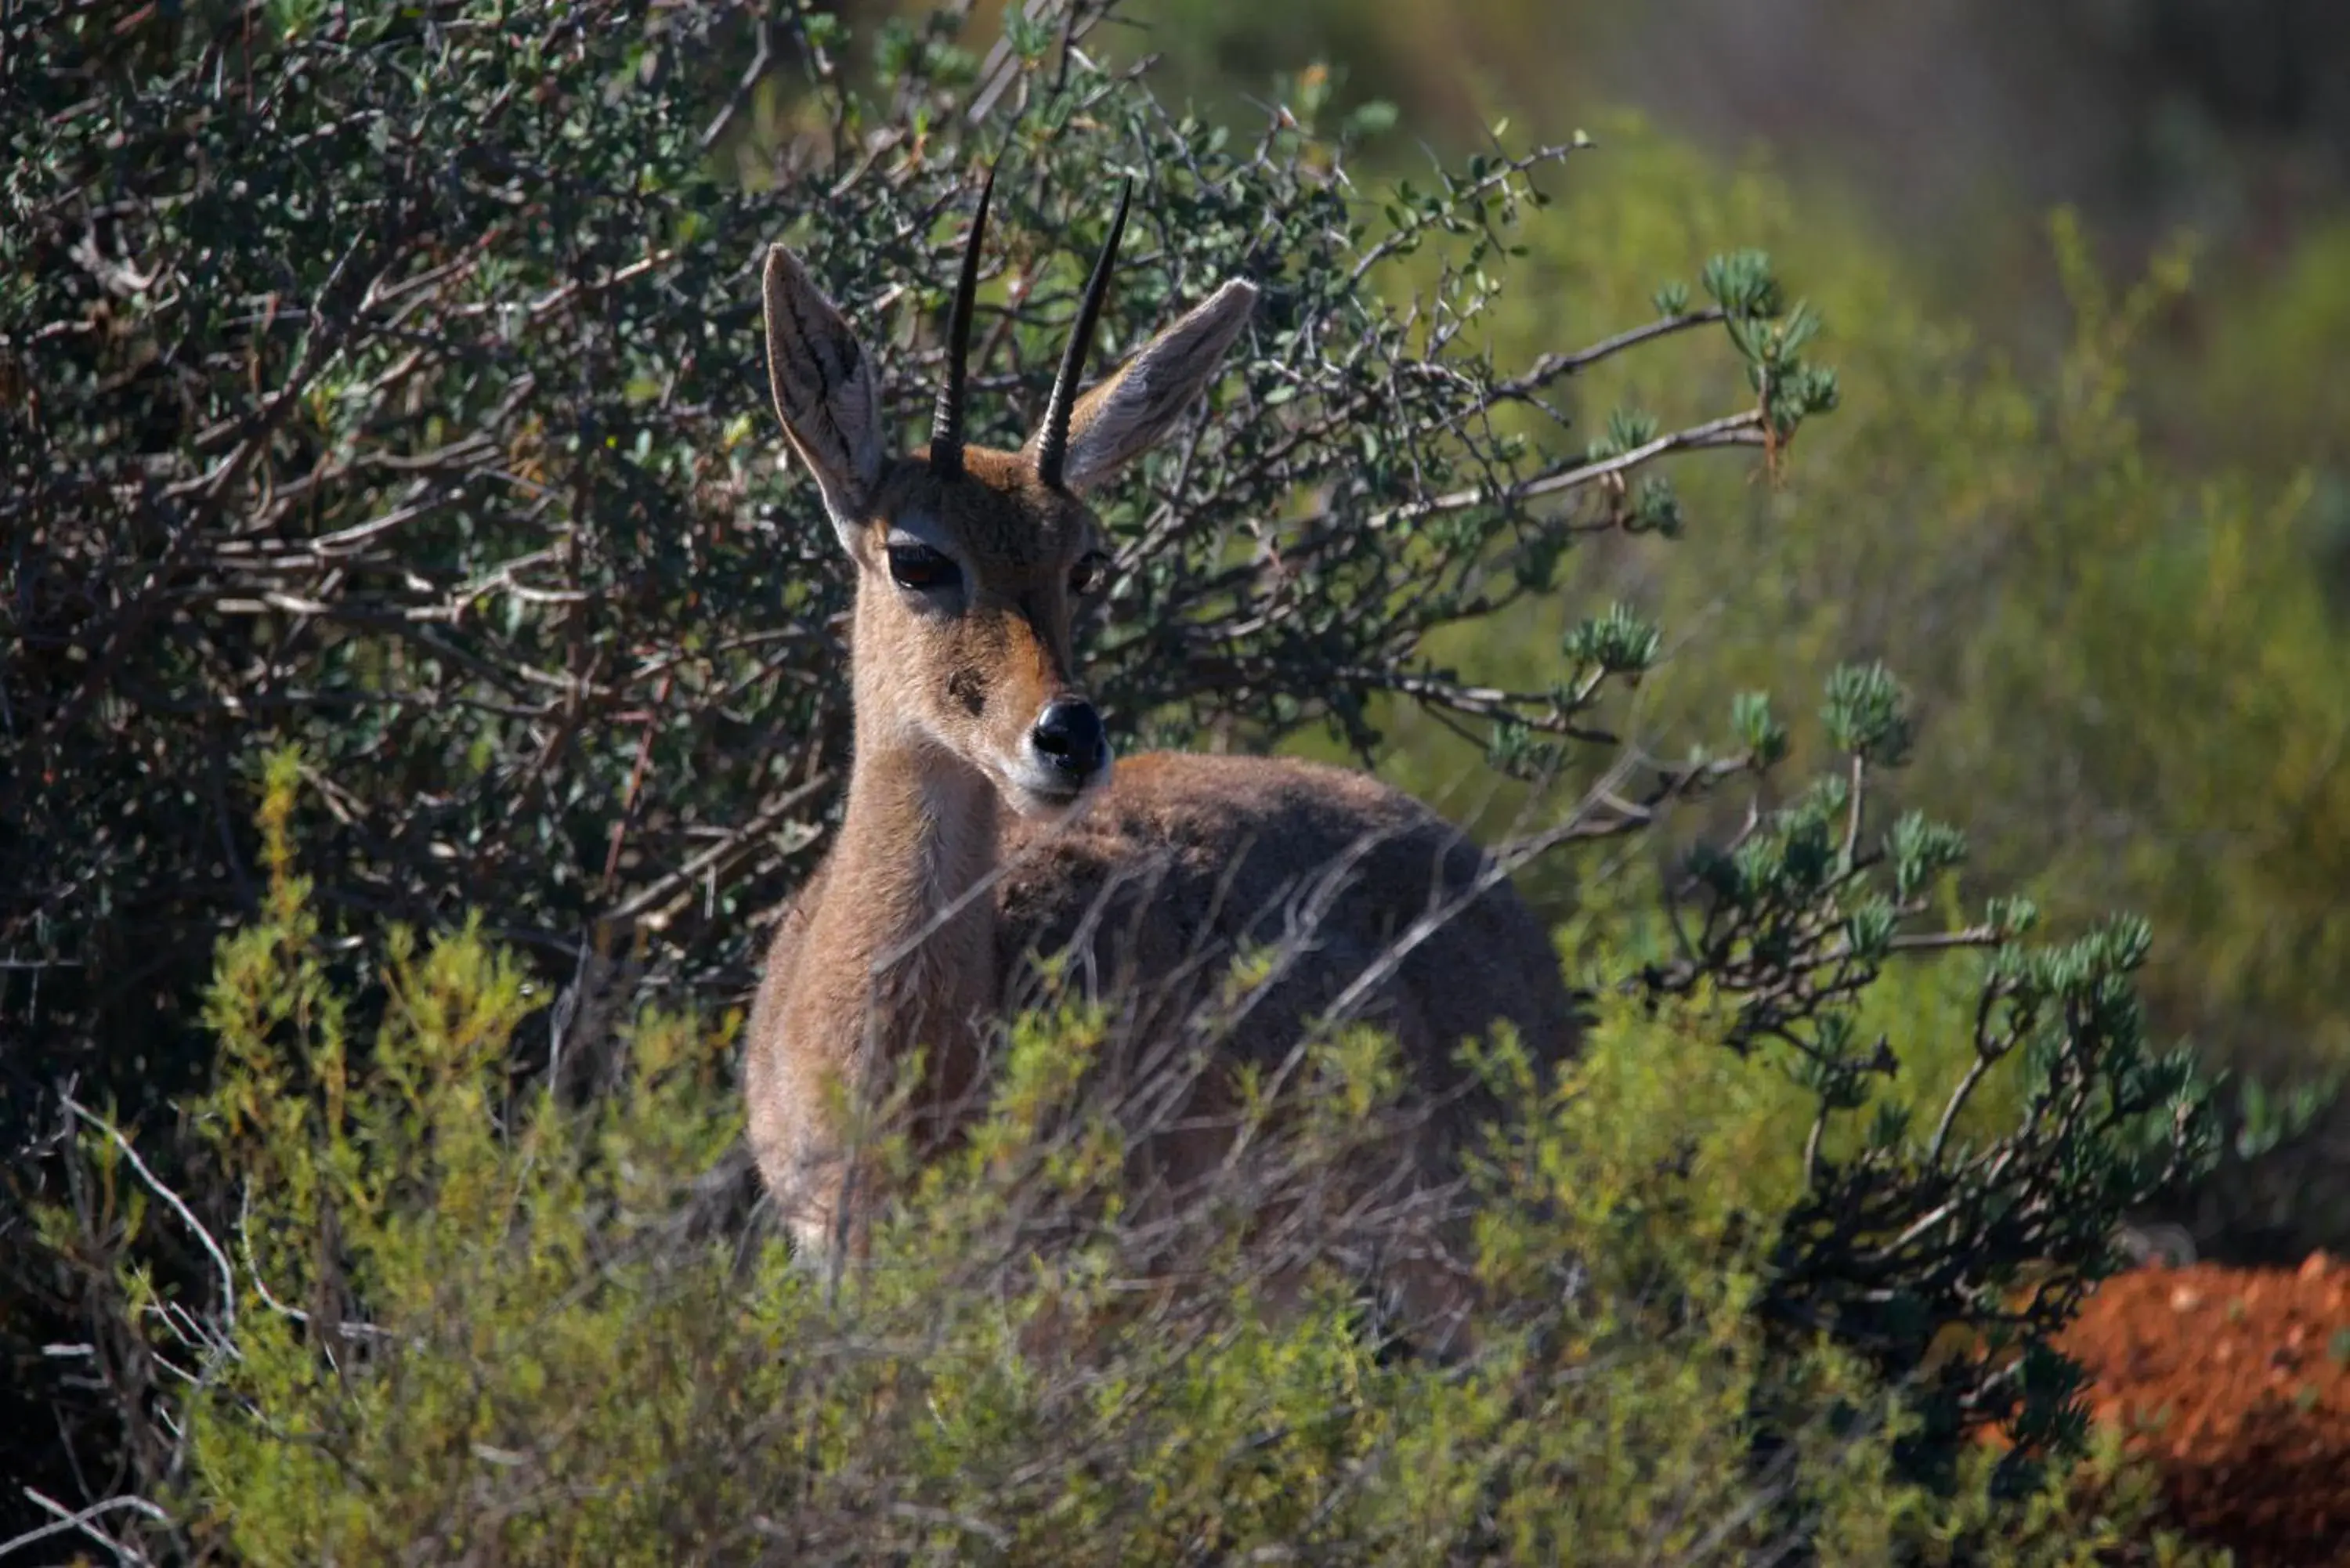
(1052, 445)
(946, 421)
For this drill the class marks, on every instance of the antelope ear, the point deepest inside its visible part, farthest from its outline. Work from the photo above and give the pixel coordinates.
(825, 391)
(1134, 409)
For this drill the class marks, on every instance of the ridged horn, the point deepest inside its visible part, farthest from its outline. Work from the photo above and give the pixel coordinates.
(946, 421)
(1053, 442)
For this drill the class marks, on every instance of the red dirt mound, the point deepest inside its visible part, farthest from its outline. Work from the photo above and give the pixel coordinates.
(2236, 1383)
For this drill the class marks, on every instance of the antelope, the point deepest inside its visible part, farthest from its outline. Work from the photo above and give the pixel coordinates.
(985, 823)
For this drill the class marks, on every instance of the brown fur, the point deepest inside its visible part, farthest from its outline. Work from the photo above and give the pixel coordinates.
(947, 875)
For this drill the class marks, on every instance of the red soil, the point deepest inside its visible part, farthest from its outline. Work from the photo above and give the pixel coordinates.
(2236, 1384)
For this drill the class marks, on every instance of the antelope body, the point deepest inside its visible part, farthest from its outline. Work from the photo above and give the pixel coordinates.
(985, 821)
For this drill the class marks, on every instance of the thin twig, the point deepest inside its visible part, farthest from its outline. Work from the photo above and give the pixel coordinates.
(80, 1521)
(187, 1216)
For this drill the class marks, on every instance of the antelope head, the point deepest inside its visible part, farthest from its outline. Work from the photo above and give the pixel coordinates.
(971, 562)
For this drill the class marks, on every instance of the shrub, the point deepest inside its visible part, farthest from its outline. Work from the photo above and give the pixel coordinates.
(467, 1321)
(2126, 657)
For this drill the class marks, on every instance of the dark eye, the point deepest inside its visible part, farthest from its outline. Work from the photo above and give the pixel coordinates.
(1090, 576)
(923, 569)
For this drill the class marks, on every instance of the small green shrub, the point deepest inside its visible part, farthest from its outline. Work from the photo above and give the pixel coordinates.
(2125, 634)
(473, 1322)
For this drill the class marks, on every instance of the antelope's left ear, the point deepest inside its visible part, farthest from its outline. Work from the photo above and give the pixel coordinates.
(1132, 411)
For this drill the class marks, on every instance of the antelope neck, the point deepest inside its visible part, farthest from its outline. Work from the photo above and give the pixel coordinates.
(917, 834)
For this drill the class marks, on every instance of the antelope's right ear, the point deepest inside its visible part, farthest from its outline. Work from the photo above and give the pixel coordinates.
(825, 392)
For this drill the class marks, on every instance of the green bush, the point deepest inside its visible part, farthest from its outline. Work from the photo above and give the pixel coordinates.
(470, 1322)
(2115, 605)
(2128, 660)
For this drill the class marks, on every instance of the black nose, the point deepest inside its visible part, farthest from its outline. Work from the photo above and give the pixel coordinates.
(1070, 735)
